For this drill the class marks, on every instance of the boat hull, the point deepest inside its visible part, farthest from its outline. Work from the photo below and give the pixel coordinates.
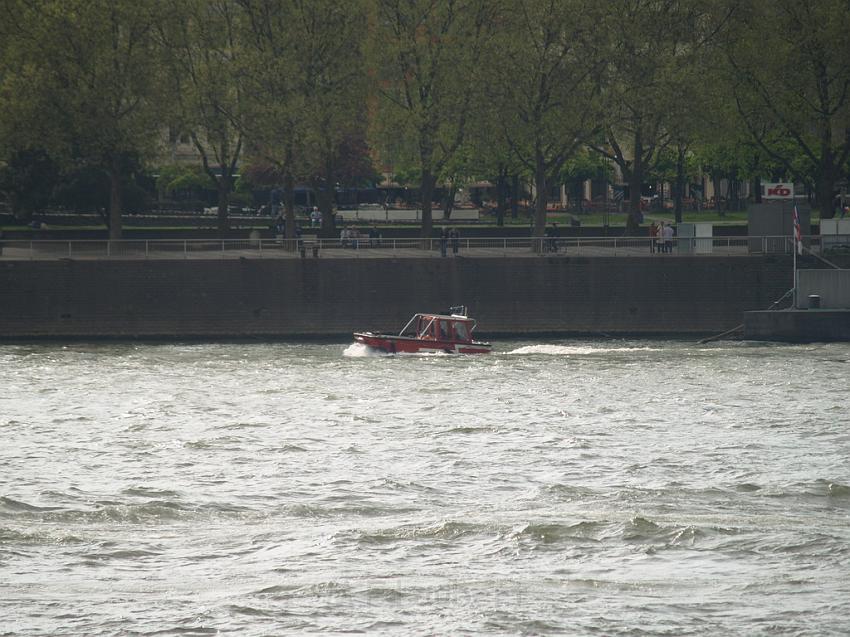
(407, 345)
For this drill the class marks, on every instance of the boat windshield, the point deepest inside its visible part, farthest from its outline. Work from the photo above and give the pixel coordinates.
(461, 331)
(415, 326)
(426, 327)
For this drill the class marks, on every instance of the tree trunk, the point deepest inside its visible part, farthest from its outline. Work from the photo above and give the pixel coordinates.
(635, 215)
(677, 201)
(540, 187)
(824, 187)
(501, 196)
(634, 176)
(426, 190)
(223, 200)
(515, 197)
(326, 200)
(680, 183)
(289, 203)
(757, 189)
(115, 202)
(325, 203)
(449, 202)
(825, 181)
(717, 206)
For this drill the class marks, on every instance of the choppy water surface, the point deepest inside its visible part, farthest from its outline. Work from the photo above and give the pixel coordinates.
(580, 487)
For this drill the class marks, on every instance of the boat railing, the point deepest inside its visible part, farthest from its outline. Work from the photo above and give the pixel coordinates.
(309, 248)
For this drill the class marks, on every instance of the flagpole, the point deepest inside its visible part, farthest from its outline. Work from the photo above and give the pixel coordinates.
(798, 247)
(794, 296)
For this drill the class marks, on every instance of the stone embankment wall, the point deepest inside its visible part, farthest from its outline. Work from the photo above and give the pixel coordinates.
(331, 297)
(798, 326)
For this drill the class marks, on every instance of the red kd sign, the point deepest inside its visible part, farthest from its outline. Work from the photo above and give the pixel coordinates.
(779, 191)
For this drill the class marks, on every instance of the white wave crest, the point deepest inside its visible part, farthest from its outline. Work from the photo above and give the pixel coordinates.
(566, 350)
(359, 350)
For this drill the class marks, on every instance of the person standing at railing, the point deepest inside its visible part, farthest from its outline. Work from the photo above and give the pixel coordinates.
(668, 238)
(653, 236)
(553, 233)
(454, 235)
(444, 241)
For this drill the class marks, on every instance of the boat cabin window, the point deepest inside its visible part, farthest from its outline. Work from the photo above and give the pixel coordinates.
(426, 328)
(461, 332)
(444, 330)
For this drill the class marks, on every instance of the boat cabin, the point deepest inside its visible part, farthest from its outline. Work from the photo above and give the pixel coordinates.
(440, 327)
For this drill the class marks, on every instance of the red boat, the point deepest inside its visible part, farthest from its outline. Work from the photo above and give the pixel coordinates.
(430, 334)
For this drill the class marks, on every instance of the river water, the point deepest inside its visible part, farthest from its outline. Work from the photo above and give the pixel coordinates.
(577, 487)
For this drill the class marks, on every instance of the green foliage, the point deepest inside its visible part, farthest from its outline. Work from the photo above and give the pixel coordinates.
(585, 165)
(201, 49)
(81, 81)
(424, 54)
(259, 172)
(84, 189)
(665, 169)
(409, 177)
(433, 92)
(651, 99)
(181, 177)
(28, 181)
(798, 94)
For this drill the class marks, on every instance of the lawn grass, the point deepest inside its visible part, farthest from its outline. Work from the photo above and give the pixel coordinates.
(618, 219)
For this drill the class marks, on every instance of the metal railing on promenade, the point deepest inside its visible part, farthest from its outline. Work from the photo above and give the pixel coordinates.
(313, 247)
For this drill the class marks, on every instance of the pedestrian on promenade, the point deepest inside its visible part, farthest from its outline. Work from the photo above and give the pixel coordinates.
(279, 228)
(454, 235)
(444, 241)
(554, 234)
(668, 239)
(653, 237)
